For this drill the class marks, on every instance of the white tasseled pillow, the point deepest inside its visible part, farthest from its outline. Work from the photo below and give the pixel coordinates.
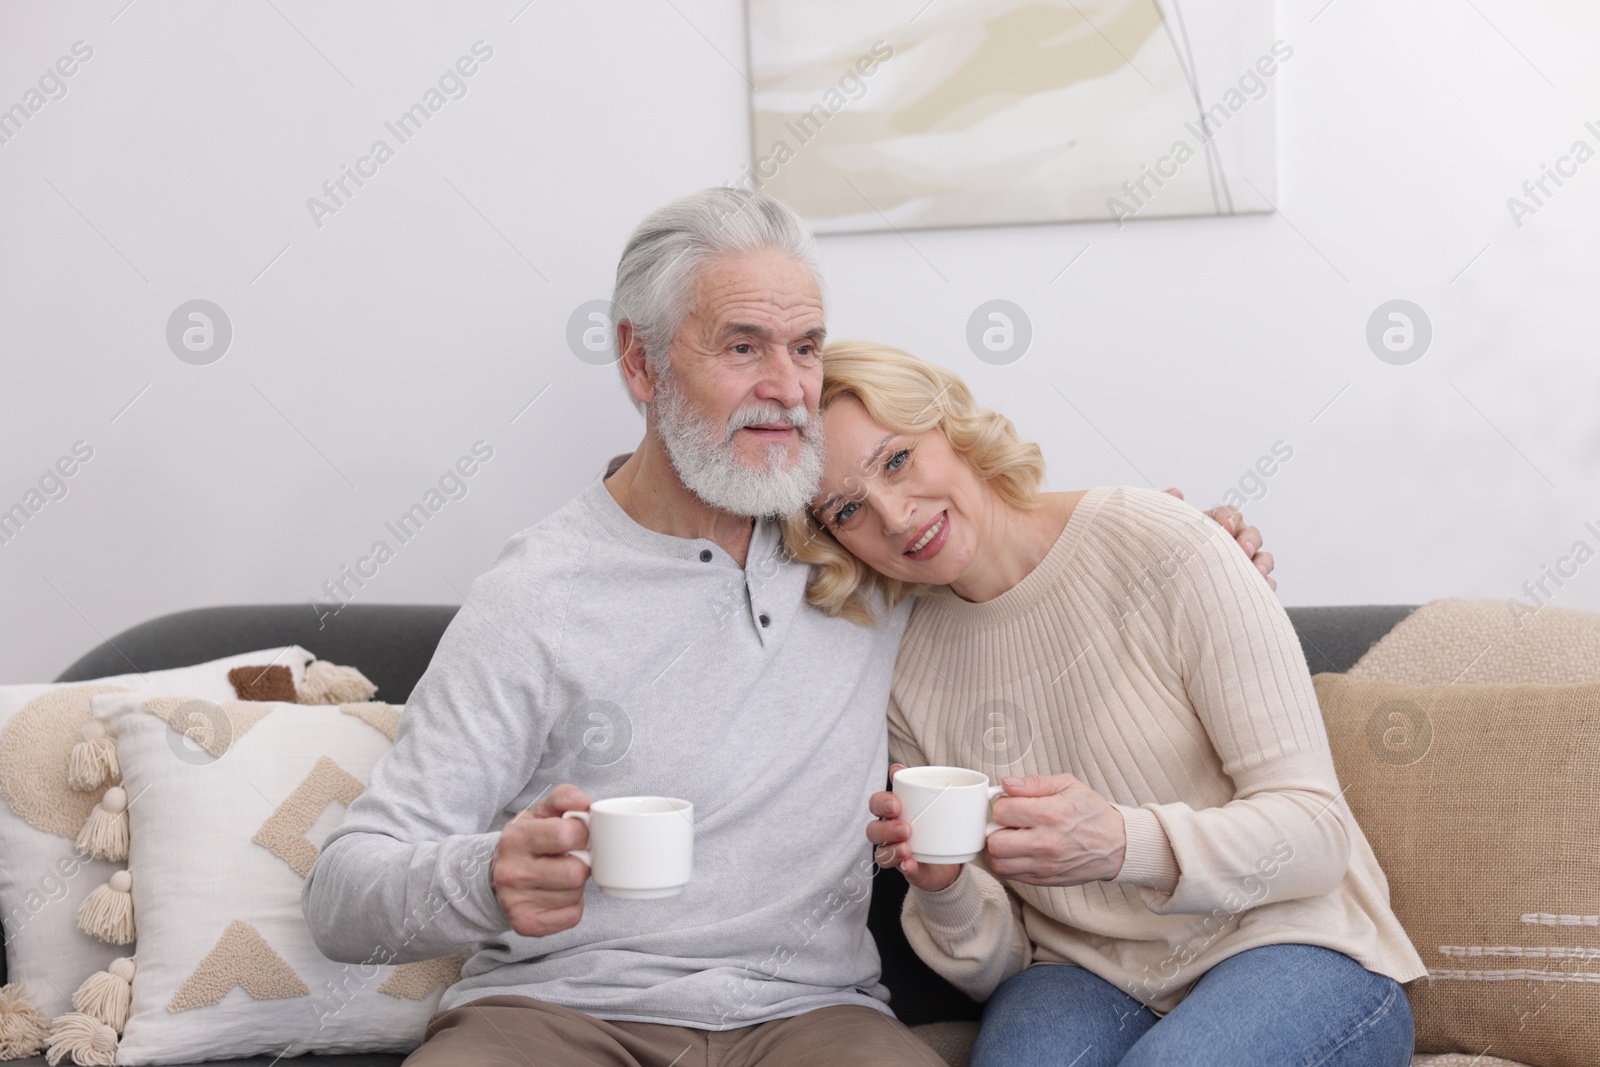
(222, 835)
(43, 878)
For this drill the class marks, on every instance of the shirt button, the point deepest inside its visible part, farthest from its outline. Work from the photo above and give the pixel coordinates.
(765, 621)
(705, 555)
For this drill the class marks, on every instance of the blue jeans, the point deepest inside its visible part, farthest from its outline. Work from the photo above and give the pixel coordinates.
(1276, 1006)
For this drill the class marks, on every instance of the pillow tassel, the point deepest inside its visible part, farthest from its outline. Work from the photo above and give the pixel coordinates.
(93, 762)
(105, 832)
(329, 683)
(107, 913)
(23, 1029)
(86, 1039)
(106, 996)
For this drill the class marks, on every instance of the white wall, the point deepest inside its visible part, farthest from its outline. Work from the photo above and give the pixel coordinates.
(432, 307)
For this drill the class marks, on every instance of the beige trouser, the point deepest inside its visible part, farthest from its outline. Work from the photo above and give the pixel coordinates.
(522, 1032)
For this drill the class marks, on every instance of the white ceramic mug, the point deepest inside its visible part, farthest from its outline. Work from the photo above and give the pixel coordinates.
(639, 847)
(948, 809)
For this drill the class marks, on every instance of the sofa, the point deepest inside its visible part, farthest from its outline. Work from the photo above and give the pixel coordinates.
(392, 644)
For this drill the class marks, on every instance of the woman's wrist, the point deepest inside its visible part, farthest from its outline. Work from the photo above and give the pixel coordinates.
(946, 887)
(957, 907)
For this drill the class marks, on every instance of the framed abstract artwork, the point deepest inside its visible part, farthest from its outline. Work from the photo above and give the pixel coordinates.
(924, 113)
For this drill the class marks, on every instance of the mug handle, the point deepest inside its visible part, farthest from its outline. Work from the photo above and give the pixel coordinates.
(995, 792)
(582, 853)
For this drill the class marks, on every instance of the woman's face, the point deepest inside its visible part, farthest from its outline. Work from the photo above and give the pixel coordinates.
(907, 505)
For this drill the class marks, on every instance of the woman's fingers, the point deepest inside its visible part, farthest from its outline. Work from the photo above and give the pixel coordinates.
(888, 831)
(1030, 800)
(1056, 838)
(896, 855)
(1014, 843)
(885, 805)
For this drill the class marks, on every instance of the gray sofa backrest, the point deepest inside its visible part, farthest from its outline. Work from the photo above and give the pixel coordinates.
(392, 643)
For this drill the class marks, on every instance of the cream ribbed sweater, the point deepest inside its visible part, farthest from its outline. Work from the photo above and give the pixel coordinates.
(1146, 656)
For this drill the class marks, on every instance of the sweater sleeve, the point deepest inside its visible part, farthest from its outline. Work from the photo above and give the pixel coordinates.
(1283, 836)
(970, 932)
(405, 876)
(1147, 859)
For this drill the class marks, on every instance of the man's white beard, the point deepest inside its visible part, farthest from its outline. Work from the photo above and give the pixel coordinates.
(708, 464)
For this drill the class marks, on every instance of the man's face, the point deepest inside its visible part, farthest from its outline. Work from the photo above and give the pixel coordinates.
(738, 408)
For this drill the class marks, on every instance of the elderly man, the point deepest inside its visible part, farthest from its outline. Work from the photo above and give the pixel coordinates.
(648, 638)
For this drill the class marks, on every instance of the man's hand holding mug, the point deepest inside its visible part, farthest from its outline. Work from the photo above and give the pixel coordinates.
(634, 848)
(539, 886)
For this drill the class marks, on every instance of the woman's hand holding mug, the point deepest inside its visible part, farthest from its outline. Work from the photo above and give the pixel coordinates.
(1047, 829)
(891, 835)
(1059, 831)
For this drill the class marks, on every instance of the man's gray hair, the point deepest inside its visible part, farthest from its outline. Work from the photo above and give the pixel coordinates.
(661, 263)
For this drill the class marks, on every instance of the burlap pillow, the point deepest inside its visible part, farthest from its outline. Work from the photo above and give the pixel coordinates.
(1482, 804)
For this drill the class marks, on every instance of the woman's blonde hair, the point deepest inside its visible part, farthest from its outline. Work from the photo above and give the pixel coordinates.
(905, 395)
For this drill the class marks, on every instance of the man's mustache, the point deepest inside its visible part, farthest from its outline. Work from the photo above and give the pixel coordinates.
(757, 415)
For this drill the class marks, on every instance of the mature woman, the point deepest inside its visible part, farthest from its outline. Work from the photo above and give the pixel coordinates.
(1179, 880)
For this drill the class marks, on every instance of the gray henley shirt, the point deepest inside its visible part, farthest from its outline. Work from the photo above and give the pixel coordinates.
(629, 662)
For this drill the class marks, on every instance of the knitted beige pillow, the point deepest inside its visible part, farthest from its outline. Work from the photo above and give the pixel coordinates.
(1486, 642)
(1482, 804)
